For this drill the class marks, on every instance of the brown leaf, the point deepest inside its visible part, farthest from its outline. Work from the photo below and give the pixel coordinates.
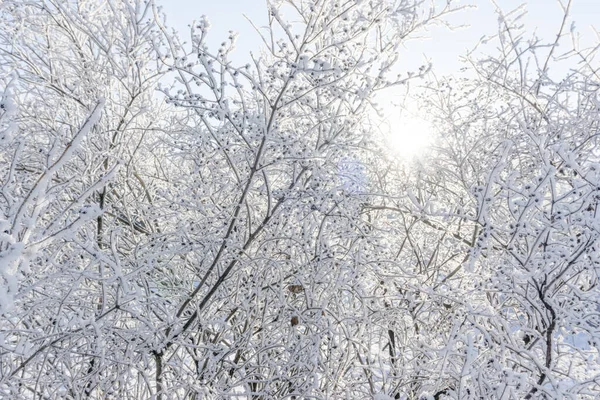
(295, 288)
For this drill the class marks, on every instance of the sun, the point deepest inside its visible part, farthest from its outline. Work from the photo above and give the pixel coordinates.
(406, 132)
(409, 135)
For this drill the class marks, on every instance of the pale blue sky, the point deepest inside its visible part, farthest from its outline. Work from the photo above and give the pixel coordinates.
(443, 47)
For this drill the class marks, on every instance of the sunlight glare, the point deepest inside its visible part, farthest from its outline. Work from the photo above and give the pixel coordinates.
(409, 134)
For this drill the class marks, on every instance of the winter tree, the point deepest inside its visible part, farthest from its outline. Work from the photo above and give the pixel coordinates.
(178, 225)
(78, 109)
(209, 250)
(508, 207)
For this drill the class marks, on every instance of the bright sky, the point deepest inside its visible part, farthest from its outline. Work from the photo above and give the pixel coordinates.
(443, 47)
